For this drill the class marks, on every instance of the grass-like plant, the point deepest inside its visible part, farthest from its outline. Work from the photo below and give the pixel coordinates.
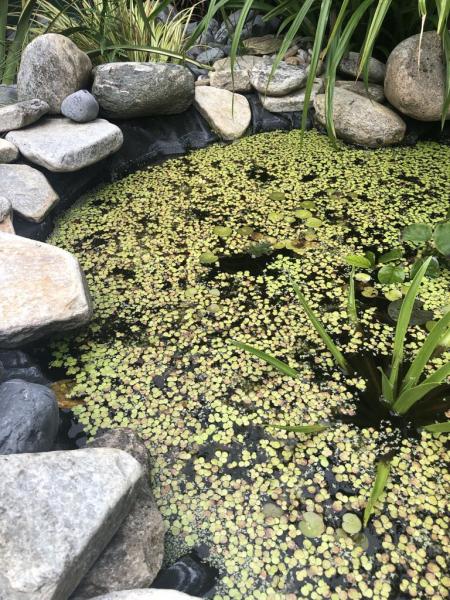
(413, 397)
(15, 21)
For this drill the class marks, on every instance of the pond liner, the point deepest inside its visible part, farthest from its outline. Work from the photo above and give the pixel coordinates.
(149, 140)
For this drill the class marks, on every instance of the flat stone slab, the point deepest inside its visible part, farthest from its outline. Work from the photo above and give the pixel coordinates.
(239, 81)
(28, 191)
(60, 145)
(59, 510)
(374, 90)
(286, 79)
(22, 114)
(145, 595)
(293, 102)
(227, 118)
(42, 290)
(8, 151)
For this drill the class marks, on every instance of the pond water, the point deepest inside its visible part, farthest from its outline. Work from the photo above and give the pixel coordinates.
(183, 257)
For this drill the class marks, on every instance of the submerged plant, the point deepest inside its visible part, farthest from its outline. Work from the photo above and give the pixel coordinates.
(402, 395)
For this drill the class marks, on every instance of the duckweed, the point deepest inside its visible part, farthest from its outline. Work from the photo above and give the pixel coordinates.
(156, 357)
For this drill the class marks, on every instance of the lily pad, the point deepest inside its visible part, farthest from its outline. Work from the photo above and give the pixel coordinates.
(223, 232)
(275, 216)
(363, 277)
(358, 260)
(208, 258)
(313, 222)
(393, 295)
(245, 231)
(418, 233)
(302, 213)
(432, 271)
(418, 315)
(369, 292)
(351, 523)
(392, 255)
(308, 204)
(277, 196)
(312, 525)
(391, 274)
(441, 238)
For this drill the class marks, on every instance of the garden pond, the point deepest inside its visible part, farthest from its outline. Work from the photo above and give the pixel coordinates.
(183, 257)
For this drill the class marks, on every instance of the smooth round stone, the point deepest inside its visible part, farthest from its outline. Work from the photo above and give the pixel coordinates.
(80, 106)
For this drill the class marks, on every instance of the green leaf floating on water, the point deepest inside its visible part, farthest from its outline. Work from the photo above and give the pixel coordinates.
(308, 204)
(313, 222)
(277, 196)
(300, 428)
(208, 258)
(351, 523)
(432, 271)
(438, 427)
(223, 232)
(441, 238)
(394, 254)
(246, 231)
(391, 274)
(268, 358)
(418, 233)
(383, 469)
(302, 213)
(276, 216)
(358, 260)
(312, 525)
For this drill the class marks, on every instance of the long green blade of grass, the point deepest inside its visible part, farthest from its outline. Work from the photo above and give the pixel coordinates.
(300, 428)
(3, 23)
(337, 354)
(388, 392)
(371, 36)
(411, 396)
(281, 366)
(446, 49)
(13, 57)
(237, 36)
(403, 323)
(439, 375)
(438, 427)
(168, 53)
(383, 470)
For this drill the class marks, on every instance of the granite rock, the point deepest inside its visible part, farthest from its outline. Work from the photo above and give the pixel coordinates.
(80, 107)
(8, 152)
(293, 102)
(222, 76)
(229, 119)
(374, 91)
(349, 66)
(286, 79)
(21, 114)
(6, 216)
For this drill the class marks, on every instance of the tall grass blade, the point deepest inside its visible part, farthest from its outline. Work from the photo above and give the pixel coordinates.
(438, 427)
(4, 5)
(411, 396)
(383, 469)
(386, 387)
(371, 36)
(237, 37)
(168, 53)
(281, 366)
(22, 28)
(440, 375)
(351, 302)
(337, 354)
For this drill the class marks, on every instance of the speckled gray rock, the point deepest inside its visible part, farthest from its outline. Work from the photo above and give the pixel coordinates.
(29, 417)
(286, 79)
(266, 44)
(417, 91)
(374, 91)
(8, 94)
(59, 510)
(230, 119)
(60, 145)
(349, 66)
(22, 114)
(8, 151)
(51, 68)
(293, 102)
(221, 76)
(80, 106)
(133, 89)
(361, 121)
(6, 216)
(210, 55)
(145, 595)
(28, 191)
(43, 290)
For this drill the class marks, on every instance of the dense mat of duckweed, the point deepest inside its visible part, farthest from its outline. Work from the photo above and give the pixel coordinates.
(157, 358)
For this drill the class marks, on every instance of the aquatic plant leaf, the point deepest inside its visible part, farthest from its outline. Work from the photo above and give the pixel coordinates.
(362, 277)
(418, 233)
(423, 355)
(409, 397)
(277, 196)
(351, 302)
(246, 231)
(351, 523)
(337, 354)
(391, 274)
(276, 217)
(358, 260)
(313, 222)
(432, 271)
(302, 213)
(208, 258)
(223, 232)
(281, 366)
(393, 295)
(403, 323)
(383, 469)
(440, 375)
(300, 428)
(387, 389)
(308, 204)
(419, 316)
(371, 257)
(438, 427)
(394, 254)
(312, 525)
(441, 238)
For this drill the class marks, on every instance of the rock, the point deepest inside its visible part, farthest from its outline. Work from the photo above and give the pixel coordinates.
(134, 555)
(417, 91)
(210, 55)
(145, 595)
(228, 27)
(61, 146)
(201, 81)
(29, 417)
(80, 106)
(221, 77)
(8, 152)
(22, 114)
(286, 79)
(266, 44)
(293, 102)
(8, 94)
(18, 365)
(52, 67)
(349, 66)
(133, 89)
(190, 575)
(6, 217)
(28, 191)
(374, 91)
(43, 290)
(228, 119)
(361, 121)
(59, 510)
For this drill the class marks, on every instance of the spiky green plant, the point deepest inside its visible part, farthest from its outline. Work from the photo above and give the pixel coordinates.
(389, 393)
(15, 22)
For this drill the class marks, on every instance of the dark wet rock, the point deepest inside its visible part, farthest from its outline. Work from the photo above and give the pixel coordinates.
(22, 114)
(28, 416)
(133, 89)
(226, 29)
(210, 55)
(18, 365)
(80, 106)
(51, 68)
(189, 574)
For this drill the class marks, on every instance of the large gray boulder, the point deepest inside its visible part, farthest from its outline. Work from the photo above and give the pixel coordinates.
(417, 89)
(42, 290)
(28, 191)
(293, 102)
(29, 417)
(51, 68)
(286, 79)
(229, 117)
(145, 595)
(135, 554)
(60, 145)
(8, 151)
(239, 80)
(361, 121)
(349, 66)
(22, 114)
(59, 510)
(134, 89)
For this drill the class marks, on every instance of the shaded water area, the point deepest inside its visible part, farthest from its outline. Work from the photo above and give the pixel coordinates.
(181, 258)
